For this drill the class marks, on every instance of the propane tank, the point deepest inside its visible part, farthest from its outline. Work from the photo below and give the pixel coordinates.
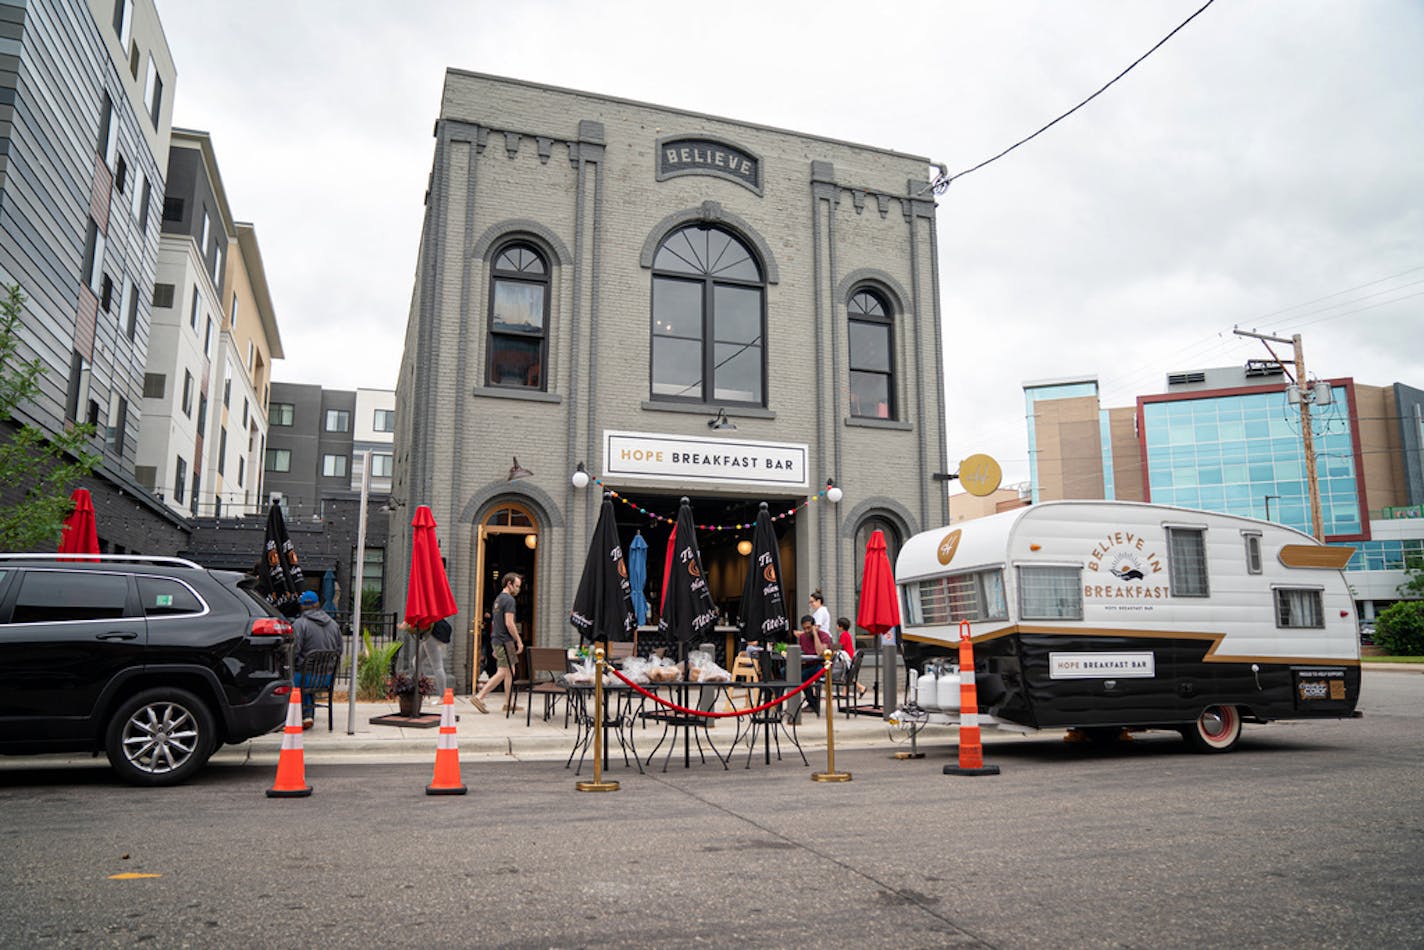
(928, 690)
(947, 688)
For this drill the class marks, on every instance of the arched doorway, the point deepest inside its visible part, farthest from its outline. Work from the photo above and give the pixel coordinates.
(508, 542)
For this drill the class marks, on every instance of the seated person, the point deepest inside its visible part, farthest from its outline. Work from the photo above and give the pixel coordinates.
(846, 644)
(812, 642)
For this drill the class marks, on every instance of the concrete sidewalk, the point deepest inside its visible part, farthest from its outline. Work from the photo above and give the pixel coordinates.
(492, 735)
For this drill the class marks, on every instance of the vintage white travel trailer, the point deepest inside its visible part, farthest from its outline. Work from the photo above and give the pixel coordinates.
(1097, 615)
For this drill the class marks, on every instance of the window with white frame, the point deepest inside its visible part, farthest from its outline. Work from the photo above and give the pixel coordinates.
(1299, 607)
(153, 92)
(381, 465)
(333, 466)
(1186, 561)
(1050, 593)
(385, 421)
(338, 420)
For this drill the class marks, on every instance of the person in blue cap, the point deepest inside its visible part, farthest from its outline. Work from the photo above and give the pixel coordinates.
(313, 630)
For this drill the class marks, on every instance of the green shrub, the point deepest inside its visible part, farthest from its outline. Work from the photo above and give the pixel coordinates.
(1399, 629)
(373, 669)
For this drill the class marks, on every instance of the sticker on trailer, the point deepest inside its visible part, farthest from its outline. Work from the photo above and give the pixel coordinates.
(1084, 666)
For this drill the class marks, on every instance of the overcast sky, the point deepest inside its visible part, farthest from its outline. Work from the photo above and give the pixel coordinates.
(1265, 167)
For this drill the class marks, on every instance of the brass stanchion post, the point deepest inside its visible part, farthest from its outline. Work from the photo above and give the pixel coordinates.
(597, 785)
(828, 705)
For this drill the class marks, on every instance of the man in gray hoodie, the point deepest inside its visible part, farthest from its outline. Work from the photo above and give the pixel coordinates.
(313, 630)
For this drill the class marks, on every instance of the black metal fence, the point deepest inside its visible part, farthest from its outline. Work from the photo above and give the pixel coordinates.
(381, 627)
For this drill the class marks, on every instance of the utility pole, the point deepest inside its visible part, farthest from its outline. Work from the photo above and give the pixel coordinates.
(1312, 480)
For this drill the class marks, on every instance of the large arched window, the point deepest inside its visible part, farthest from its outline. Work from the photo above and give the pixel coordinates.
(518, 318)
(862, 538)
(708, 319)
(872, 365)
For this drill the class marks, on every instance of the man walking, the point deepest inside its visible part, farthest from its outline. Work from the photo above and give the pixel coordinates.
(313, 630)
(504, 640)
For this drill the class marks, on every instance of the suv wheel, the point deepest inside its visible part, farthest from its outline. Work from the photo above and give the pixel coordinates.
(160, 737)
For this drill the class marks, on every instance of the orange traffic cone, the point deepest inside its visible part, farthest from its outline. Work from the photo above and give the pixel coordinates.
(971, 752)
(291, 766)
(447, 756)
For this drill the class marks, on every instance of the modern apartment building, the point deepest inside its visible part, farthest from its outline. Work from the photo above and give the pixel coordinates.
(214, 338)
(1230, 440)
(86, 98)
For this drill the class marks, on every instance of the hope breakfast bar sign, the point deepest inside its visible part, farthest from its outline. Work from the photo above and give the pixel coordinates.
(678, 458)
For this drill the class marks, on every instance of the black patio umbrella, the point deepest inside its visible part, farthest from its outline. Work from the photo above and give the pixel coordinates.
(764, 617)
(603, 606)
(279, 576)
(688, 613)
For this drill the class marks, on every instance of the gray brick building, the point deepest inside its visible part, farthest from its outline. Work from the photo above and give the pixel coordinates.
(686, 305)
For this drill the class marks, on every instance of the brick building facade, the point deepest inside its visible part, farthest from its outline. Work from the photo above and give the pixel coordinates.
(686, 305)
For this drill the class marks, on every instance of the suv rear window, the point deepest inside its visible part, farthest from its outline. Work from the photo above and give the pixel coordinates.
(54, 596)
(163, 597)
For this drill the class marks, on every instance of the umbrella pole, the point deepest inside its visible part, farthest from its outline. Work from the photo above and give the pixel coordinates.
(598, 784)
(417, 639)
(828, 706)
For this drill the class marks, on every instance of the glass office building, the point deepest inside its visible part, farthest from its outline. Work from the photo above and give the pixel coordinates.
(1241, 453)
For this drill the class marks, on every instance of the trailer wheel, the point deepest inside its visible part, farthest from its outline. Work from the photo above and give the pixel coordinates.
(1217, 729)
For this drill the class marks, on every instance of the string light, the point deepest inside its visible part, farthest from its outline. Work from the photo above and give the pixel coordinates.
(654, 516)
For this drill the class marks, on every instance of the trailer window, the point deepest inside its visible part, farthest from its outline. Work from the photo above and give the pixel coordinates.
(1051, 593)
(1299, 608)
(1253, 552)
(978, 595)
(1186, 559)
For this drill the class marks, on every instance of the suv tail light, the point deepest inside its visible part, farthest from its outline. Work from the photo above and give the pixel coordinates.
(271, 627)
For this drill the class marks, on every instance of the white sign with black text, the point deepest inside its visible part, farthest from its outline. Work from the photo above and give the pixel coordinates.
(681, 458)
(1087, 666)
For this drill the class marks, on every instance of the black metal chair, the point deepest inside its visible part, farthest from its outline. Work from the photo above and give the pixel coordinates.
(698, 726)
(847, 681)
(318, 675)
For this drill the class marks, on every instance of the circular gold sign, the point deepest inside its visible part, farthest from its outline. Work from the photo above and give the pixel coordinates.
(980, 475)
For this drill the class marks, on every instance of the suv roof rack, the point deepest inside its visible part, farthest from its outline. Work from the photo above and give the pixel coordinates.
(120, 558)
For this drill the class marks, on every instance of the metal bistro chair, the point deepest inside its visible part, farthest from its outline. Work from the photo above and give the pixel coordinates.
(700, 726)
(847, 682)
(318, 675)
(546, 665)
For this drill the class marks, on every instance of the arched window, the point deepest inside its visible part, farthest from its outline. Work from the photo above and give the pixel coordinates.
(872, 366)
(708, 319)
(518, 318)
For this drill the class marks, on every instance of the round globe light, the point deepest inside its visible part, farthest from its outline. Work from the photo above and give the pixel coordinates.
(835, 494)
(531, 541)
(580, 479)
(744, 547)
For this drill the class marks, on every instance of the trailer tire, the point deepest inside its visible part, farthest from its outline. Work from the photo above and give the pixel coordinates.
(1217, 729)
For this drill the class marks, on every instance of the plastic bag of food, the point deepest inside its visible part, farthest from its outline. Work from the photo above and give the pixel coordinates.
(703, 668)
(635, 668)
(582, 674)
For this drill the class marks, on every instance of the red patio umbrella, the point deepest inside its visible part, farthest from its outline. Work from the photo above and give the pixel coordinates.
(427, 593)
(879, 603)
(80, 536)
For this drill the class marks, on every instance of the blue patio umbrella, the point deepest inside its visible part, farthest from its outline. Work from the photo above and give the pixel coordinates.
(638, 576)
(328, 590)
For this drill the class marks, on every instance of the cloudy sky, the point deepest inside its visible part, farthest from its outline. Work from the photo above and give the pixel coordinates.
(1265, 167)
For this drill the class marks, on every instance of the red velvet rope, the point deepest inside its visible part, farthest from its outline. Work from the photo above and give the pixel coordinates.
(718, 715)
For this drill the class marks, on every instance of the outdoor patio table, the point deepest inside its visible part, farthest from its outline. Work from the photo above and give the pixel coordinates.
(680, 692)
(621, 707)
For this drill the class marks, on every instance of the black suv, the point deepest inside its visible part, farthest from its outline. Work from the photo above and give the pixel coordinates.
(155, 660)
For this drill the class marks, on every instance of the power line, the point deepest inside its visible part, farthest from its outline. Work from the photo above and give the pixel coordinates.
(941, 183)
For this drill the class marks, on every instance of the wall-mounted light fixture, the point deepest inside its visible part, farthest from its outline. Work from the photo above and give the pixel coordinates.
(720, 421)
(833, 494)
(517, 471)
(580, 476)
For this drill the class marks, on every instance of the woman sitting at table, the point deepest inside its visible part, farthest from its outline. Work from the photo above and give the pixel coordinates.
(812, 642)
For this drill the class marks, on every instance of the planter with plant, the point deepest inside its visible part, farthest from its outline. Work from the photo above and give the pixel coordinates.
(405, 690)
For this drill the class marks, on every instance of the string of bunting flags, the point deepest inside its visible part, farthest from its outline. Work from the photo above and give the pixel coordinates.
(653, 515)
